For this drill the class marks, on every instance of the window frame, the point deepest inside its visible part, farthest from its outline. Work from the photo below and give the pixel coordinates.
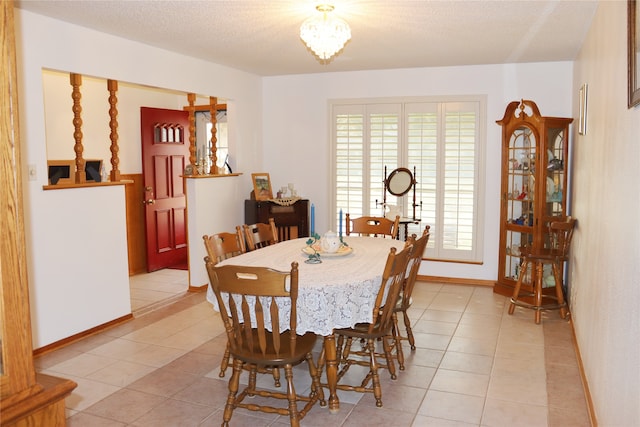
(435, 249)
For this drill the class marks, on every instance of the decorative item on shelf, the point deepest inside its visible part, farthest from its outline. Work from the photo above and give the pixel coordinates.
(285, 201)
(292, 190)
(556, 196)
(555, 165)
(262, 186)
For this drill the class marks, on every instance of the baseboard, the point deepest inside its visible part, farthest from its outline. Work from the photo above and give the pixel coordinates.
(73, 338)
(583, 377)
(456, 281)
(202, 288)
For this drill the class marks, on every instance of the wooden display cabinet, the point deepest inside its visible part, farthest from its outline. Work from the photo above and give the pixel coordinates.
(26, 398)
(534, 185)
(292, 220)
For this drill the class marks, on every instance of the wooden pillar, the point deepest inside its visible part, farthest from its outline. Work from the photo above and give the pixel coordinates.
(191, 97)
(112, 87)
(76, 82)
(213, 110)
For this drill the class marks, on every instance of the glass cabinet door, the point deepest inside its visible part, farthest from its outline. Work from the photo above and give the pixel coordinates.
(520, 196)
(555, 164)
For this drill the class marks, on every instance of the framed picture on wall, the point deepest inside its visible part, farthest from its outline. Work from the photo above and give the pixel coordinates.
(262, 186)
(633, 37)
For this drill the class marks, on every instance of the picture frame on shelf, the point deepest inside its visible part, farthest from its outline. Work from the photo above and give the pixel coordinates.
(93, 170)
(262, 186)
(61, 172)
(633, 38)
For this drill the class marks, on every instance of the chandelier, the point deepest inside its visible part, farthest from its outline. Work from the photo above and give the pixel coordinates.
(324, 33)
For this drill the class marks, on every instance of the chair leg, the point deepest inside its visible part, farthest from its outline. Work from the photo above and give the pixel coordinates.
(557, 275)
(389, 357)
(251, 387)
(407, 325)
(538, 292)
(377, 389)
(395, 332)
(276, 376)
(315, 373)
(516, 291)
(294, 416)
(225, 361)
(234, 383)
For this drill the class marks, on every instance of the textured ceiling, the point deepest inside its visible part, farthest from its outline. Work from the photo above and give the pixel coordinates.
(261, 37)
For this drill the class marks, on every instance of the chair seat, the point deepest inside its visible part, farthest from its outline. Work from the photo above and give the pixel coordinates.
(304, 344)
(361, 330)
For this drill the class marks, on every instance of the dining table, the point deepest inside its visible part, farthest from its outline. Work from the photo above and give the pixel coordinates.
(338, 292)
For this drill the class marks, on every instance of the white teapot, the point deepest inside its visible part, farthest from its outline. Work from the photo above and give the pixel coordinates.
(330, 242)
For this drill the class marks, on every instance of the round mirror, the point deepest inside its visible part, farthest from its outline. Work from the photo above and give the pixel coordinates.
(399, 182)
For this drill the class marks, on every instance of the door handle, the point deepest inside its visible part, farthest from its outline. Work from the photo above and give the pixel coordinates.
(148, 202)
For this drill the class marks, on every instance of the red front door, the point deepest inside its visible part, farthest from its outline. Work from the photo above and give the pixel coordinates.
(165, 152)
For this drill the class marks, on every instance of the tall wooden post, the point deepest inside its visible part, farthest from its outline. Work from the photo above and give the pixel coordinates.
(191, 97)
(112, 86)
(213, 111)
(76, 82)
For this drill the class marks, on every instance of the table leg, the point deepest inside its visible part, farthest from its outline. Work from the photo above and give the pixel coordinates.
(332, 372)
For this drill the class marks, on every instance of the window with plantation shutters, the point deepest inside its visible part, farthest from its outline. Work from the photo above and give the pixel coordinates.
(440, 139)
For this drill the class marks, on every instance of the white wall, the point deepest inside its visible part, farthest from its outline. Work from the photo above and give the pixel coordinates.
(296, 127)
(210, 209)
(605, 279)
(75, 235)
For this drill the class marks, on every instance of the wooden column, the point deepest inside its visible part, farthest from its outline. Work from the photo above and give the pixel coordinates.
(76, 82)
(25, 399)
(112, 87)
(213, 110)
(191, 97)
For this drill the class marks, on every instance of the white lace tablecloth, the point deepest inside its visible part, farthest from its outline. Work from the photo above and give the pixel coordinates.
(338, 293)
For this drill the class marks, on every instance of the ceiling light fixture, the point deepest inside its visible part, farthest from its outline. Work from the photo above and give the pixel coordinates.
(324, 33)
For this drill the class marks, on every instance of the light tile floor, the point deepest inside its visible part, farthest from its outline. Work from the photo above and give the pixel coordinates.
(474, 366)
(152, 290)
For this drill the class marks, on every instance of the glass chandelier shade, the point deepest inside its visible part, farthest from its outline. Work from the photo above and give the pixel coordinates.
(324, 33)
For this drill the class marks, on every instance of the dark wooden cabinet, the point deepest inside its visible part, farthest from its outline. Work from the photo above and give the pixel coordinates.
(292, 220)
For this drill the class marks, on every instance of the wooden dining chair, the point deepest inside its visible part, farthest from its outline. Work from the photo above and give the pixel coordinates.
(372, 226)
(269, 339)
(405, 299)
(378, 329)
(260, 235)
(556, 253)
(223, 245)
